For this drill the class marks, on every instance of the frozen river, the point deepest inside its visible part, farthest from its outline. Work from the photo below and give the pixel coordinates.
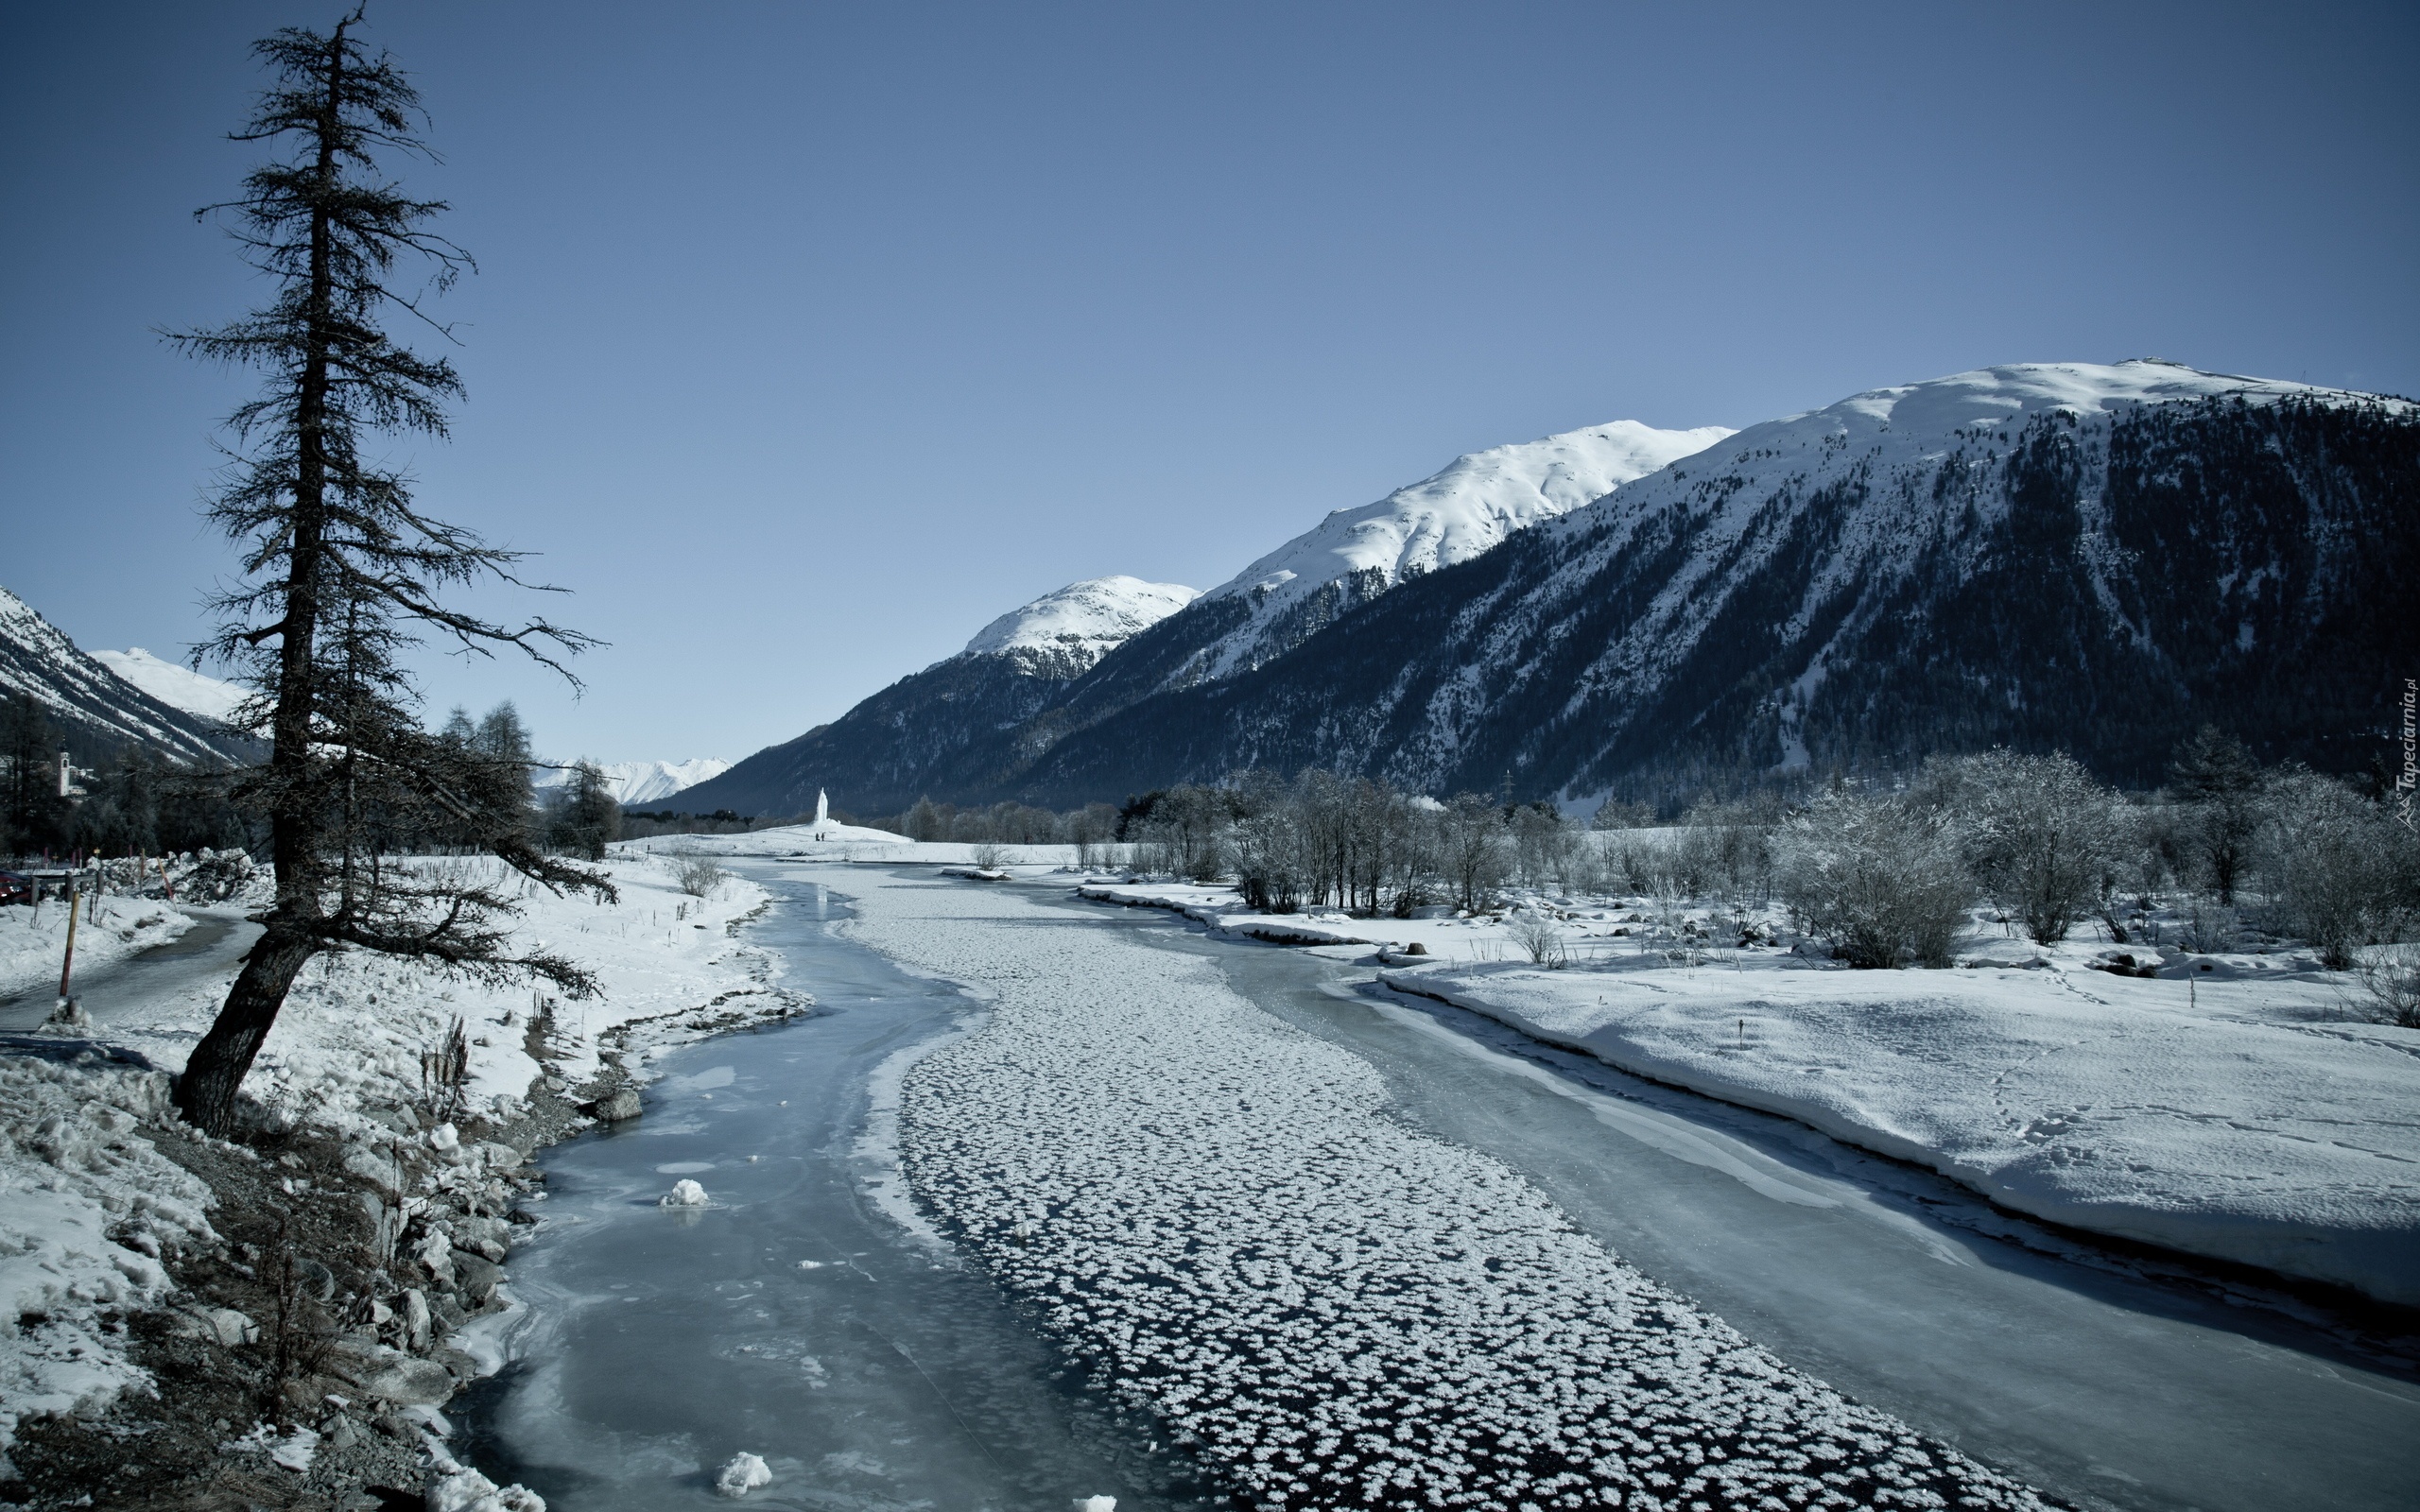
(796, 1320)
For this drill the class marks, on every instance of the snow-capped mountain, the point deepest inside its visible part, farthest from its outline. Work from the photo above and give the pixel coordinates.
(98, 710)
(1075, 656)
(1062, 634)
(1468, 508)
(176, 685)
(638, 783)
(2093, 557)
(949, 725)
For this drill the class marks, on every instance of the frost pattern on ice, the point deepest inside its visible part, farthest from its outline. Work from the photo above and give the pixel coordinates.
(1215, 1211)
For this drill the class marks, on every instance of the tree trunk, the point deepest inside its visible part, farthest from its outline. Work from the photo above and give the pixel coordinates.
(206, 1093)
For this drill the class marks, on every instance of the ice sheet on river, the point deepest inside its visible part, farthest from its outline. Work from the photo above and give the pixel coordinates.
(1218, 1213)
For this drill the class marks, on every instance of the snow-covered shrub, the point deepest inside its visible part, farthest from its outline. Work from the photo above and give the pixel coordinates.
(699, 875)
(1879, 881)
(2208, 927)
(2389, 985)
(1472, 848)
(2340, 871)
(2036, 833)
(216, 877)
(1643, 866)
(1540, 939)
(1545, 846)
(1727, 848)
(989, 856)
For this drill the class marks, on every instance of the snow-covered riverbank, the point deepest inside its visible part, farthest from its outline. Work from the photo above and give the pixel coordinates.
(2222, 1115)
(2227, 1106)
(100, 1209)
(1215, 1210)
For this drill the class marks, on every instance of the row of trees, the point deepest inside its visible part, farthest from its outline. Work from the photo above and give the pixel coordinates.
(1886, 877)
(139, 804)
(1883, 877)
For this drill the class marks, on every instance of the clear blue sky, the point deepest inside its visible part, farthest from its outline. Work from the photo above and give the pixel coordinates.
(807, 338)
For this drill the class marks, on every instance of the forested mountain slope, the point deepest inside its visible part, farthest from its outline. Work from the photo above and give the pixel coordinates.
(2093, 557)
(97, 712)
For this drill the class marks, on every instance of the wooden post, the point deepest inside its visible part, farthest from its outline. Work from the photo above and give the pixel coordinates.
(67, 963)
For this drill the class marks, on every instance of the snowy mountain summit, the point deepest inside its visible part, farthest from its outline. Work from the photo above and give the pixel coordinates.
(1467, 507)
(100, 709)
(1062, 634)
(638, 782)
(178, 686)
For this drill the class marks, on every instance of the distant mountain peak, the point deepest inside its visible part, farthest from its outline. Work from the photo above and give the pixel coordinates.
(1465, 508)
(178, 687)
(98, 708)
(1061, 634)
(635, 783)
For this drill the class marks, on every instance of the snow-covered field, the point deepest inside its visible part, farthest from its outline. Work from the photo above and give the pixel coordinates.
(2229, 1112)
(32, 941)
(84, 1192)
(1215, 1210)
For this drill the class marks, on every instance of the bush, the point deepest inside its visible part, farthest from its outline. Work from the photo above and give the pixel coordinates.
(698, 876)
(1540, 939)
(2389, 985)
(2341, 872)
(1879, 882)
(2037, 832)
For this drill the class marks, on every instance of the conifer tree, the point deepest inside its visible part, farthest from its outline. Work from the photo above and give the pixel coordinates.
(343, 573)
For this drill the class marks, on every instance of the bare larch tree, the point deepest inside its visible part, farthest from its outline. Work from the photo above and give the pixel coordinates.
(343, 575)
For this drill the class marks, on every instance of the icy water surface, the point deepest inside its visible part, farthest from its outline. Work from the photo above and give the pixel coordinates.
(2107, 1379)
(795, 1319)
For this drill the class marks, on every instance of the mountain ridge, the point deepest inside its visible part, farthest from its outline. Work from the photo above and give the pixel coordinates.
(967, 724)
(98, 710)
(1929, 566)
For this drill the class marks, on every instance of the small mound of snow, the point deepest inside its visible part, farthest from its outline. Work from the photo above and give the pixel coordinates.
(745, 1473)
(684, 1193)
(1096, 1504)
(454, 1487)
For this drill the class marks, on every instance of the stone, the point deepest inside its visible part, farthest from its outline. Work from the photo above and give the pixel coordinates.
(489, 1236)
(403, 1379)
(478, 1278)
(374, 1166)
(418, 1328)
(221, 1325)
(318, 1282)
(620, 1106)
(436, 1251)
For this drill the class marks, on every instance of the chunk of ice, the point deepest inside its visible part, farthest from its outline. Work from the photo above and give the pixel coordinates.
(744, 1473)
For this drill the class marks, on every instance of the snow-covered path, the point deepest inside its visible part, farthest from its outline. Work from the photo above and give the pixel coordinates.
(209, 952)
(1221, 1213)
